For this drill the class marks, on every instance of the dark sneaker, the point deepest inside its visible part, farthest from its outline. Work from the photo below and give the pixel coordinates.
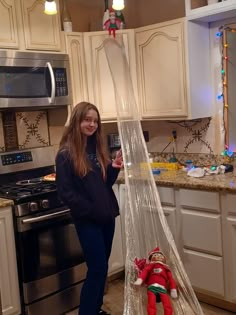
(102, 312)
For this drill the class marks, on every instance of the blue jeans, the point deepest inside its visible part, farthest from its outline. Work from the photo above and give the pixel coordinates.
(96, 242)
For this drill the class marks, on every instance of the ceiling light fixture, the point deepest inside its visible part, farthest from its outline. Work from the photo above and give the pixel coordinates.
(118, 5)
(50, 7)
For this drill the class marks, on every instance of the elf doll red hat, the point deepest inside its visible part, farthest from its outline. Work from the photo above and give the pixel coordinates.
(156, 251)
(111, 10)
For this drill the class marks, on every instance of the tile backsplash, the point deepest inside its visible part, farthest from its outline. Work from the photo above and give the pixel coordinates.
(45, 127)
(30, 130)
(193, 136)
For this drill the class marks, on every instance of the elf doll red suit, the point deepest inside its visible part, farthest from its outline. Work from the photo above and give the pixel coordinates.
(158, 278)
(112, 24)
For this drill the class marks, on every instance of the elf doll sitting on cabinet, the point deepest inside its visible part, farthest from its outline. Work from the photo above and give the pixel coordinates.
(112, 24)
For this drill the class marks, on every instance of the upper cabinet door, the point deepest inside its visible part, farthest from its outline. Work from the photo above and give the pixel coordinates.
(75, 50)
(100, 84)
(42, 31)
(161, 70)
(8, 24)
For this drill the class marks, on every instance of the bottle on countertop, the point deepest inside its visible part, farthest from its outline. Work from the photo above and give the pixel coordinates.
(189, 164)
(66, 18)
(150, 155)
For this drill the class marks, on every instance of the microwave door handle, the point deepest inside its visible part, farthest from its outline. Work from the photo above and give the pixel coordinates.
(52, 97)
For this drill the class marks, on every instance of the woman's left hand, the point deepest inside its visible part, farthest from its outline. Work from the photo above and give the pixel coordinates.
(118, 161)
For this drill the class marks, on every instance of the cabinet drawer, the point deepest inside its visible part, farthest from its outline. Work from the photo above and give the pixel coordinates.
(198, 199)
(205, 272)
(167, 196)
(202, 231)
(229, 204)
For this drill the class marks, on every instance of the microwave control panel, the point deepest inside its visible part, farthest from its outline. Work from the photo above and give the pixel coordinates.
(61, 82)
(15, 158)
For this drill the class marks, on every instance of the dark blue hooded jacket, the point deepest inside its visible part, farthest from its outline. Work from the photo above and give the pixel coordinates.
(88, 197)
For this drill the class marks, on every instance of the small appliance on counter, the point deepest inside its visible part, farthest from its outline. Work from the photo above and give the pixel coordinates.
(113, 142)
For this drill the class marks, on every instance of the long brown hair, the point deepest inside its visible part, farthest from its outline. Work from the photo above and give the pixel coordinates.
(75, 143)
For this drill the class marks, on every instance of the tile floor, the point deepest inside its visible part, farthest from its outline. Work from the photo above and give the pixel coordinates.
(113, 301)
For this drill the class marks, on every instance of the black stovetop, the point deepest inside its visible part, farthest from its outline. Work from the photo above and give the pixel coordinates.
(27, 185)
(27, 188)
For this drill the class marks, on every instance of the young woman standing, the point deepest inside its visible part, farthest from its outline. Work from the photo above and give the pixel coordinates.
(84, 177)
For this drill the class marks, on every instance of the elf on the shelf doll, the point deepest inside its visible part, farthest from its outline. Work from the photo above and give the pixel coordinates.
(112, 24)
(158, 278)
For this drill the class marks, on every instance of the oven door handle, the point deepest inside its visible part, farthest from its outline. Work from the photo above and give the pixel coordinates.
(53, 92)
(46, 217)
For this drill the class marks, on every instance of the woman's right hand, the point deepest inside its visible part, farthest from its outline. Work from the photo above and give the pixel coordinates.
(118, 160)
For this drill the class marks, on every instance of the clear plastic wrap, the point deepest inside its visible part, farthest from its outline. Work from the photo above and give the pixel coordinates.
(145, 222)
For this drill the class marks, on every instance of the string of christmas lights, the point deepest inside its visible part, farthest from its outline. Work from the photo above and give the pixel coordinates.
(223, 93)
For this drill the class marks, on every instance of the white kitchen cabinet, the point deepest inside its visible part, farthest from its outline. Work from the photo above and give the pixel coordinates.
(24, 25)
(167, 197)
(201, 238)
(161, 70)
(122, 199)
(8, 268)
(195, 10)
(116, 261)
(174, 70)
(228, 202)
(75, 50)
(100, 84)
(9, 37)
(168, 202)
(203, 224)
(41, 31)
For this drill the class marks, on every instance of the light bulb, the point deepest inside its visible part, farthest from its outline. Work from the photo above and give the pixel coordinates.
(50, 7)
(118, 5)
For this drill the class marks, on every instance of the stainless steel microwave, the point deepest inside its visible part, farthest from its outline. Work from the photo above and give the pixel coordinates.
(31, 79)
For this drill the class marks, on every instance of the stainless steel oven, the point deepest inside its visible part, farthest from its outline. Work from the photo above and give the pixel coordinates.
(30, 79)
(50, 260)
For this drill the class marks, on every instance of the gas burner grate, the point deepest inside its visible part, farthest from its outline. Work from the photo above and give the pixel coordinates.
(30, 189)
(33, 181)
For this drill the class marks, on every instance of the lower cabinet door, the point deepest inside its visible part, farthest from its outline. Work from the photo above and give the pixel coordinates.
(116, 261)
(9, 285)
(205, 272)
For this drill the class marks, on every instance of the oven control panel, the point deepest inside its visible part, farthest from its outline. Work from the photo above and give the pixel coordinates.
(16, 158)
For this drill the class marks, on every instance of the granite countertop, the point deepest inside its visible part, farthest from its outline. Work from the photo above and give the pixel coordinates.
(221, 182)
(5, 202)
